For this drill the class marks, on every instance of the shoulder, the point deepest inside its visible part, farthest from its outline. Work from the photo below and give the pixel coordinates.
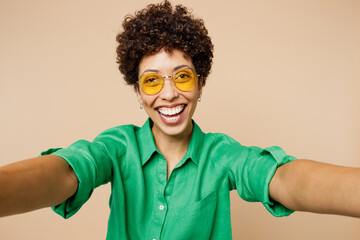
(118, 132)
(224, 145)
(220, 140)
(116, 139)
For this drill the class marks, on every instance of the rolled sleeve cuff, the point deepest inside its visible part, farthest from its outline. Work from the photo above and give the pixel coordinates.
(273, 157)
(71, 205)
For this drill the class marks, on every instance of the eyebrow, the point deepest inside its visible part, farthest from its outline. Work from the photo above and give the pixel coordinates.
(174, 69)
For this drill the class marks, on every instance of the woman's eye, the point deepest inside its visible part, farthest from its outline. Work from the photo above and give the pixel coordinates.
(184, 75)
(151, 81)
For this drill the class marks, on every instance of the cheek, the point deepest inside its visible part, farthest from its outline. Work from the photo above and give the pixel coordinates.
(148, 100)
(192, 96)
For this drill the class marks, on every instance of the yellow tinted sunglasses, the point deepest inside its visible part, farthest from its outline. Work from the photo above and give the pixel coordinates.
(184, 79)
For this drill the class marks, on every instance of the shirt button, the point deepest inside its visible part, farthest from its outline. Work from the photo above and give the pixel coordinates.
(161, 207)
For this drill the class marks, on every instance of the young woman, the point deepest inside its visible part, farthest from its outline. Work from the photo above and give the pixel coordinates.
(169, 179)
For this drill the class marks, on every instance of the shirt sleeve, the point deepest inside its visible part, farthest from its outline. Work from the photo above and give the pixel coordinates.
(252, 173)
(93, 167)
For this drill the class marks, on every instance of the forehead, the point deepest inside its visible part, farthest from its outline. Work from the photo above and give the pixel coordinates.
(163, 61)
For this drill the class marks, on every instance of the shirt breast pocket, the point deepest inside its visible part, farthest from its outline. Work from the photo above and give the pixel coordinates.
(196, 220)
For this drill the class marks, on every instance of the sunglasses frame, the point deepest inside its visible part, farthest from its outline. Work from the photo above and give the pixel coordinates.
(172, 77)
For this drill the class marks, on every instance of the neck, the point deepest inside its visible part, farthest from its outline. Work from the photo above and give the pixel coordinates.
(173, 147)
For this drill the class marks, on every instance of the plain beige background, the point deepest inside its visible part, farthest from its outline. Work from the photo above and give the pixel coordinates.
(285, 73)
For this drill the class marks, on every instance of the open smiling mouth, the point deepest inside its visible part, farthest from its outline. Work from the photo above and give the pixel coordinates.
(173, 114)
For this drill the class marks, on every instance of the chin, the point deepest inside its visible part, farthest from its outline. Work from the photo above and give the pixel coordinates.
(174, 129)
(177, 131)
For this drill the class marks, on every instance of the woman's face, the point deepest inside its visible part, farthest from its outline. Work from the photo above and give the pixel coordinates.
(171, 109)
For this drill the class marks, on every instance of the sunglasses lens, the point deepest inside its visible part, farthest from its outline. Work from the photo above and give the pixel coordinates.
(151, 83)
(185, 79)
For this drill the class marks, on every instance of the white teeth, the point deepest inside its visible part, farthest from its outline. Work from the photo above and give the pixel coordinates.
(171, 111)
(171, 119)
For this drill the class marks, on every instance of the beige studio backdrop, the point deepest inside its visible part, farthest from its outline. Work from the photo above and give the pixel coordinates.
(285, 73)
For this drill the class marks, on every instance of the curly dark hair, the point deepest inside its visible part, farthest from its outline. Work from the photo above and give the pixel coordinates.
(160, 26)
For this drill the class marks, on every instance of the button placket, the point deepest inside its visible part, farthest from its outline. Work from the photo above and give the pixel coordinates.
(161, 206)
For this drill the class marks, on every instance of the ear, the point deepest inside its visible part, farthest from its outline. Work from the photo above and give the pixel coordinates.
(201, 84)
(138, 95)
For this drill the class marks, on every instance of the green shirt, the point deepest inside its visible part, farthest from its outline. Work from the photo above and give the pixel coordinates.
(194, 203)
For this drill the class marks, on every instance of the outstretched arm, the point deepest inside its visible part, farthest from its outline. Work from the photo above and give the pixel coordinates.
(35, 183)
(305, 185)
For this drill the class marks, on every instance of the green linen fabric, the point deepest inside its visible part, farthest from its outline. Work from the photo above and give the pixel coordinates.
(194, 203)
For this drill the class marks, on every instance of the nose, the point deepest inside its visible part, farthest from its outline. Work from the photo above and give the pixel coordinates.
(169, 91)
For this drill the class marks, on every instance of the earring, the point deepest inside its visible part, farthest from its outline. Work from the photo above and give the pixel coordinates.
(199, 100)
(141, 106)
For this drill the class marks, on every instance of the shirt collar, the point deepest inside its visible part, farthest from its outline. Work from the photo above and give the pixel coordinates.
(195, 145)
(148, 147)
(146, 142)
